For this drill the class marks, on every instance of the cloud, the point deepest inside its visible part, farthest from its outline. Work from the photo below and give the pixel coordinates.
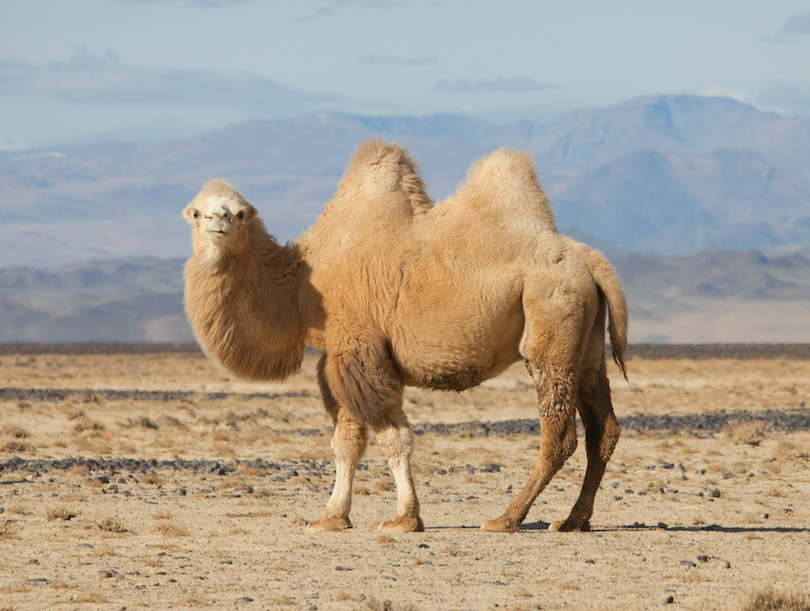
(797, 24)
(89, 79)
(395, 61)
(501, 84)
(333, 8)
(202, 3)
(787, 98)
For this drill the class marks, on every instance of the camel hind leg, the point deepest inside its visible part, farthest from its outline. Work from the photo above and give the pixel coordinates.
(558, 440)
(601, 435)
(349, 442)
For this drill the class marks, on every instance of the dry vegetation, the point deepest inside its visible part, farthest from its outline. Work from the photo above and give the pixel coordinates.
(690, 517)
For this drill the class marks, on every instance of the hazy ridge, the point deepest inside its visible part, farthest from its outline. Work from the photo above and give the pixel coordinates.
(664, 175)
(140, 300)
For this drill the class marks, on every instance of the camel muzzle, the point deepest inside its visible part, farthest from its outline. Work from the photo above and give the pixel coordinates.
(218, 225)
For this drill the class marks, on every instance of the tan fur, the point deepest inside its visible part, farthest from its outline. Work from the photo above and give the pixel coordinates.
(396, 292)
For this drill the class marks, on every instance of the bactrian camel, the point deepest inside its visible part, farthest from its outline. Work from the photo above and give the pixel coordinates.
(395, 292)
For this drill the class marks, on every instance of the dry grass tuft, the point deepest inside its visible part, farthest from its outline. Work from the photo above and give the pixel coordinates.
(282, 601)
(768, 599)
(787, 450)
(170, 530)
(153, 479)
(345, 596)
(386, 540)
(91, 596)
(15, 445)
(751, 433)
(60, 512)
(388, 605)
(173, 422)
(83, 423)
(144, 422)
(15, 431)
(6, 529)
(111, 525)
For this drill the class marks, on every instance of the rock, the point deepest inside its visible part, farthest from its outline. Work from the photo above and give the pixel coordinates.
(669, 600)
(713, 492)
(688, 563)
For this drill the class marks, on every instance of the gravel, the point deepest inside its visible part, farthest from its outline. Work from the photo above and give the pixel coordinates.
(641, 351)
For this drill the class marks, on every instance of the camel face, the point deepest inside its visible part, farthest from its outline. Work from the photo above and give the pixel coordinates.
(219, 219)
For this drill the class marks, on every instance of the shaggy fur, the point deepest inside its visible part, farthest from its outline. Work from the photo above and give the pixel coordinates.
(396, 292)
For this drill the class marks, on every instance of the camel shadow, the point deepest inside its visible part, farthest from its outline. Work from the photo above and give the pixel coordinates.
(543, 526)
(706, 528)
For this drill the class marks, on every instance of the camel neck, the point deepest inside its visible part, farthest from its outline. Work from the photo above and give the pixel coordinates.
(243, 308)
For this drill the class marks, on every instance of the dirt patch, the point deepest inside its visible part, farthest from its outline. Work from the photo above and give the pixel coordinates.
(154, 480)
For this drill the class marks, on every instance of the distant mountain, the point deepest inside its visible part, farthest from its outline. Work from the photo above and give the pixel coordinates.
(664, 175)
(711, 296)
(112, 300)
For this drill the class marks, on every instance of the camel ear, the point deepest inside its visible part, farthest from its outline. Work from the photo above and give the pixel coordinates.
(192, 214)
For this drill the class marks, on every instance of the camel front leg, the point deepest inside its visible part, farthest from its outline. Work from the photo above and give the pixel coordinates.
(349, 443)
(396, 438)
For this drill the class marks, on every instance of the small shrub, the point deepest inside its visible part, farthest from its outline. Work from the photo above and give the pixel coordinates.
(15, 445)
(111, 525)
(750, 433)
(60, 512)
(170, 530)
(768, 599)
(388, 605)
(152, 478)
(15, 431)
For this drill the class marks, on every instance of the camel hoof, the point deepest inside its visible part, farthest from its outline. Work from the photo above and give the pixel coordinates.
(567, 526)
(403, 524)
(504, 524)
(329, 525)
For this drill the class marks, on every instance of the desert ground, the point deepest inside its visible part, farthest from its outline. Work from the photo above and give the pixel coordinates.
(157, 481)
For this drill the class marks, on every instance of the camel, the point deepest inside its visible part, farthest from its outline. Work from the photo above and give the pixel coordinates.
(396, 291)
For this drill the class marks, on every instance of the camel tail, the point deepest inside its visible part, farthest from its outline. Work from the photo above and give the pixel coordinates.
(608, 282)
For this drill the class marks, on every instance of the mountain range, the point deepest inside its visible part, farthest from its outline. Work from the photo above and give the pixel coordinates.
(707, 297)
(657, 175)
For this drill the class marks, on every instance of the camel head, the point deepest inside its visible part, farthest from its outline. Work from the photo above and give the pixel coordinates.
(220, 217)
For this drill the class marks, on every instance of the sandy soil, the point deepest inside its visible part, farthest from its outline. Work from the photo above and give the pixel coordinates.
(693, 519)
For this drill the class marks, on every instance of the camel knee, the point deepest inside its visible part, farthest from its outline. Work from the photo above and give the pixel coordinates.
(395, 437)
(349, 440)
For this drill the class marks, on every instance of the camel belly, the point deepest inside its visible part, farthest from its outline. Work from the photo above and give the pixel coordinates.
(459, 362)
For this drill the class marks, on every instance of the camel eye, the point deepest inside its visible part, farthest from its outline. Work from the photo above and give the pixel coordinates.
(196, 214)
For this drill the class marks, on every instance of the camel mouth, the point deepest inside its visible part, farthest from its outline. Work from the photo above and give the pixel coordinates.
(218, 228)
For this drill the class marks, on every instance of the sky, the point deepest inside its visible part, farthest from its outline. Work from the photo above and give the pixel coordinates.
(87, 71)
